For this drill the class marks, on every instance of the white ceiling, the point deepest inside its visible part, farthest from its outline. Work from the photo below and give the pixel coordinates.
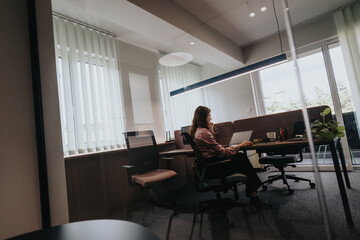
(173, 24)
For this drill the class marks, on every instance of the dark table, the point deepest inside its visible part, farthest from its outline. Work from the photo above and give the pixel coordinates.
(92, 230)
(279, 145)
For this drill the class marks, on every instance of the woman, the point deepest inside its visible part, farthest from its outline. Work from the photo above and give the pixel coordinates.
(202, 132)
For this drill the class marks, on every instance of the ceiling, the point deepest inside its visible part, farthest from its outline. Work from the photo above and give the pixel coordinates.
(219, 29)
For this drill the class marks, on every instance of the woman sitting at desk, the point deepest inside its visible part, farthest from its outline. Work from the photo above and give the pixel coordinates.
(202, 131)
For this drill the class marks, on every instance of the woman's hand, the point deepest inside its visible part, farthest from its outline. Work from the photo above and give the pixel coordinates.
(246, 143)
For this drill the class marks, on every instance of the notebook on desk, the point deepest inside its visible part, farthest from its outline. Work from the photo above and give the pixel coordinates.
(239, 137)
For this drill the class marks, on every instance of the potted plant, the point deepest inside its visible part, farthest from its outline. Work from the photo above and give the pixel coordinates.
(326, 130)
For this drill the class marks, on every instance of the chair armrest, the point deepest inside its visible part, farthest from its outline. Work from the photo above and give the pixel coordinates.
(129, 173)
(128, 166)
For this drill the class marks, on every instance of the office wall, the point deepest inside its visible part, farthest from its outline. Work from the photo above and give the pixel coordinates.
(312, 32)
(19, 184)
(52, 125)
(140, 61)
(231, 100)
(19, 188)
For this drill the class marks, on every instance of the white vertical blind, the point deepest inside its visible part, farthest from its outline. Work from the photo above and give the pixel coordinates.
(92, 116)
(348, 29)
(179, 109)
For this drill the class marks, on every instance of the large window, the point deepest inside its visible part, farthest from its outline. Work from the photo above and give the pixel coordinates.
(280, 89)
(91, 111)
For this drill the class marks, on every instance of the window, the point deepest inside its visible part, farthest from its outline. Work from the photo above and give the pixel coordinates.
(91, 111)
(179, 109)
(280, 89)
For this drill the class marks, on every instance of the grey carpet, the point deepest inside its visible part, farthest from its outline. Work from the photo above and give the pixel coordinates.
(295, 216)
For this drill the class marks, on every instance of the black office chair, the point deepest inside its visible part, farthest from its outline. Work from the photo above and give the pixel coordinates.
(143, 170)
(285, 158)
(222, 183)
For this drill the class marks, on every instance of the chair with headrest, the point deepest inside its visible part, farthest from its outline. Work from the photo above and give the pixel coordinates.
(221, 183)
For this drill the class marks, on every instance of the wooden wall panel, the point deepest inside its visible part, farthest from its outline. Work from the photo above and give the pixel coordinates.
(98, 186)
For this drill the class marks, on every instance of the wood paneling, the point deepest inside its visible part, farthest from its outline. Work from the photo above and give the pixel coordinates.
(98, 187)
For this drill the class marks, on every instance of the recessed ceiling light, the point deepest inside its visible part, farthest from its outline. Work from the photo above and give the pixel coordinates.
(175, 59)
(263, 9)
(252, 14)
(192, 43)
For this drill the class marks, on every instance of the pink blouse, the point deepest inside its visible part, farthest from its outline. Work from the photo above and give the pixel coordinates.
(208, 146)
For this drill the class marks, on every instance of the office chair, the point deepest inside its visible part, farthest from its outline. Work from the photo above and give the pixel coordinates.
(285, 158)
(219, 184)
(143, 170)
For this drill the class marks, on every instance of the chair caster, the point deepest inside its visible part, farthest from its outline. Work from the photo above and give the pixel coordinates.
(312, 185)
(291, 191)
(264, 188)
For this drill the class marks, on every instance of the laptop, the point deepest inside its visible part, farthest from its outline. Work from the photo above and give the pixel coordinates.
(239, 137)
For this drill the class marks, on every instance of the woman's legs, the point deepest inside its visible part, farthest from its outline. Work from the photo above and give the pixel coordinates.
(242, 164)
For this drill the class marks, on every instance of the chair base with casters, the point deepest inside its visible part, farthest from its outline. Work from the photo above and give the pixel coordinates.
(207, 181)
(223, 204)
(280, 162)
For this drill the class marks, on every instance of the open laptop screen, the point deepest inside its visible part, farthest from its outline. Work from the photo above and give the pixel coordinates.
(239, 137)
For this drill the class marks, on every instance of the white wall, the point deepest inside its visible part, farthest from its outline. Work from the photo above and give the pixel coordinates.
(231, 100)
(19, 188)
(19, 184)
(304, 35)
(140, 61)
(53, 141)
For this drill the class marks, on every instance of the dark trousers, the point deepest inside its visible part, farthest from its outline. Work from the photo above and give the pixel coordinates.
(240, 163)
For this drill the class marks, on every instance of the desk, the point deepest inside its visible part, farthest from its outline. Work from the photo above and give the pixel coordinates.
(92, 230)
(278, 146)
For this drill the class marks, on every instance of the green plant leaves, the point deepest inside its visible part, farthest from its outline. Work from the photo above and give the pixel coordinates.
(340, 128)
(325, 112)
(326, 130)
(340, 134)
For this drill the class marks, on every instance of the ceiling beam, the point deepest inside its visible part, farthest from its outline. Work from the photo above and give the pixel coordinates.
(182, 19)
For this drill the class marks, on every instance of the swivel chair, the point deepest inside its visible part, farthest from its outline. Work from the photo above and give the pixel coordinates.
(285, 158)
(219, 184)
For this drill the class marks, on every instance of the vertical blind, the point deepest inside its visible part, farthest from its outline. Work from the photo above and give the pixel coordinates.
(179, 109)
(90, 95)
(348, 29)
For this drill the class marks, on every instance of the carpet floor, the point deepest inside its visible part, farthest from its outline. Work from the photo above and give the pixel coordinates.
(295, 216)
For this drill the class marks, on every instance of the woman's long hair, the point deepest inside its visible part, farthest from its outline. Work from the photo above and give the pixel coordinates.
(200, 120)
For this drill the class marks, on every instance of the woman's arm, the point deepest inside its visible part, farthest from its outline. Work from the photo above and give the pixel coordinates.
(210, 141)
(243, 144)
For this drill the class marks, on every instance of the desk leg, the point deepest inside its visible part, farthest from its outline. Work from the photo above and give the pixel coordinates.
(343, 164)
(341, 185)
